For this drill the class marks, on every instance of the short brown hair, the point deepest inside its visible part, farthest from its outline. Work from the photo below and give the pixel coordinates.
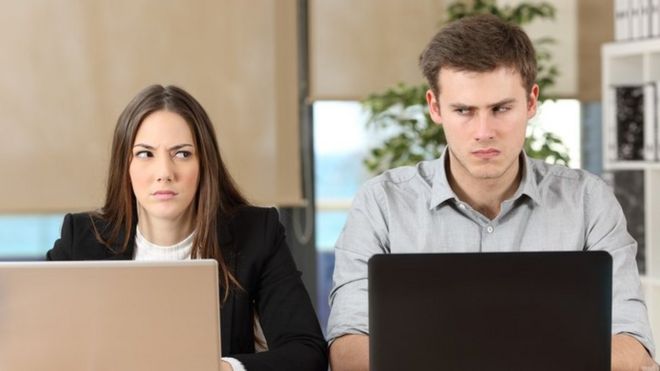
(479, 43)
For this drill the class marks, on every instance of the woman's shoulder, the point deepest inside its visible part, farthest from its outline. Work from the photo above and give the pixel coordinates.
(252, 227)
(78, 239)
(83, 221)
(253, 217)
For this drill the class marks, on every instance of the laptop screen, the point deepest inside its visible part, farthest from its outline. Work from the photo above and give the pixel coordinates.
(508, 311)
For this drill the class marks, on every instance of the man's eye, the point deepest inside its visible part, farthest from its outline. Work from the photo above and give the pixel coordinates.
(142, 154)
(462, 111)
(183, 154)
(501, 109)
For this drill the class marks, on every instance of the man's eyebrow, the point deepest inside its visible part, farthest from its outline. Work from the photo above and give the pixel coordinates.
(460, 105)
(496, 104)
(502, 102)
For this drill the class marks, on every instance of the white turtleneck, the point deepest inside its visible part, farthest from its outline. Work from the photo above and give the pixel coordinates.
(146, 250)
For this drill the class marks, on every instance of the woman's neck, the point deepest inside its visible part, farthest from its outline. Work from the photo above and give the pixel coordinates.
(165, 232)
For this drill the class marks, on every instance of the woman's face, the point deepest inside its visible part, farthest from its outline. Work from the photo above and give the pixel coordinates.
(164, 168)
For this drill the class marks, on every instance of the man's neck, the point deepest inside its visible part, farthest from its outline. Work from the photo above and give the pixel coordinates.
(483, 194)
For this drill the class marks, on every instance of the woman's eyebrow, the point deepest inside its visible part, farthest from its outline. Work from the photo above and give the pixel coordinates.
(179, 146)
(143, 146)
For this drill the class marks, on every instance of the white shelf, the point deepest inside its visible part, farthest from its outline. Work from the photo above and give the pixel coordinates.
(632, 63)
(626, 63)
(630, 48)
(632, 165)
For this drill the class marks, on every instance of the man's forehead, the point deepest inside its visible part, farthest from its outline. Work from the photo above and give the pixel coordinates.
(480, 88)
(510, 72)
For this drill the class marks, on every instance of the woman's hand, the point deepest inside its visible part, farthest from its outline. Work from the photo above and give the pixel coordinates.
(225, 366)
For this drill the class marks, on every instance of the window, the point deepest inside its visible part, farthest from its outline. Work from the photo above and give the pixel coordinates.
(340, 144)
(562, 117)
(28, 237)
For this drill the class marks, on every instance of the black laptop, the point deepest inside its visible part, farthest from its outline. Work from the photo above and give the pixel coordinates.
(490, 311)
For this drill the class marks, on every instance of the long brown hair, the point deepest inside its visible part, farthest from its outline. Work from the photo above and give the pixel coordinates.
(217, 195)
(479, 43)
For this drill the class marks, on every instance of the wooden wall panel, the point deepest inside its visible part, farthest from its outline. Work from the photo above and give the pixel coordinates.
(69, 68)
(362, 47)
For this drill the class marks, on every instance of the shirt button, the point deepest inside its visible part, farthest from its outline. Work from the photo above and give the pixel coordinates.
(462, 206)
(490, 229)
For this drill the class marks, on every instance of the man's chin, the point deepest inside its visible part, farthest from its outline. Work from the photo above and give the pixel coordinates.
(486, 172)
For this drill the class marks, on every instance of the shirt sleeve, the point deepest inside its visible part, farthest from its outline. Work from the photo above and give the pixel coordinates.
(365, 234)
(235, 364)
(607, 230)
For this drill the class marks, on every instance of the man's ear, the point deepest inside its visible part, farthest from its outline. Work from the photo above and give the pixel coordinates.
(532, 101)
(434, 107)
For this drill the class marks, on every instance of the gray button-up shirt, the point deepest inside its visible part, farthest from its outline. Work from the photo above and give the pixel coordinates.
(414, 210)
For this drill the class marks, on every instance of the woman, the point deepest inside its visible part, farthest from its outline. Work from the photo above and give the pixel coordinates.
(169, 196)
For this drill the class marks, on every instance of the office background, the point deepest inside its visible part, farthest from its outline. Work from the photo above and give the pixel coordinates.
(282, 81)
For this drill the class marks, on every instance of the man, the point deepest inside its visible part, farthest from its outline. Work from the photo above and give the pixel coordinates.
(483, 193)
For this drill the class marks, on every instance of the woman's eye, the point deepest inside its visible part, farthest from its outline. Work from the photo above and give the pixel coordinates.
(142, 154)
(183, 154)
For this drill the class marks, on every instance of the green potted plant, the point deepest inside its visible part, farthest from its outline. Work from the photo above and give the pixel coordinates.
(402, 110)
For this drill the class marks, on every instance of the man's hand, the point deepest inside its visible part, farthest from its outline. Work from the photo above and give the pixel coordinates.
(350, 353)
(629, 354)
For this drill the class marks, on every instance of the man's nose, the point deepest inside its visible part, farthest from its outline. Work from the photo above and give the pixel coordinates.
(485, 129)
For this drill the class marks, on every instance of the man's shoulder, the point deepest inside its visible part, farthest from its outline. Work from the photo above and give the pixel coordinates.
(561, 177)
(418, 175)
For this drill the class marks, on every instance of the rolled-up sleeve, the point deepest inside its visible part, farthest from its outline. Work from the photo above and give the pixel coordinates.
(607, 230)
(364, 235)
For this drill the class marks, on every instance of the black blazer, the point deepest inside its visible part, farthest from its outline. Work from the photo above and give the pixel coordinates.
(254, 246)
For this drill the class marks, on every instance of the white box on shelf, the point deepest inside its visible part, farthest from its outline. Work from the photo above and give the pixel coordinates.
(650, 121)
(655, 18)
(611, 135)
(621, 20)
(635, 12)
(645, 18)
(657, 121)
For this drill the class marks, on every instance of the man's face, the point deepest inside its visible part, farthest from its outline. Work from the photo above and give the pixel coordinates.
(484, 117)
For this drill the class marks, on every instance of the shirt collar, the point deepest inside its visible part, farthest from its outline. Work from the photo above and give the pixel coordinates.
(528, 185)
(441, 191)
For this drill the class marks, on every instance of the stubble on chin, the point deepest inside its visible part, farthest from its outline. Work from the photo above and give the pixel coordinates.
(483, 170)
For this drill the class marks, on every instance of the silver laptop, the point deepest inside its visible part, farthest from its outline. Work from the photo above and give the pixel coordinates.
(126, 316)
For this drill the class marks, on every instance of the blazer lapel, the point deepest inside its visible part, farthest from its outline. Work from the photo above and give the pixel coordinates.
(117, 245)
